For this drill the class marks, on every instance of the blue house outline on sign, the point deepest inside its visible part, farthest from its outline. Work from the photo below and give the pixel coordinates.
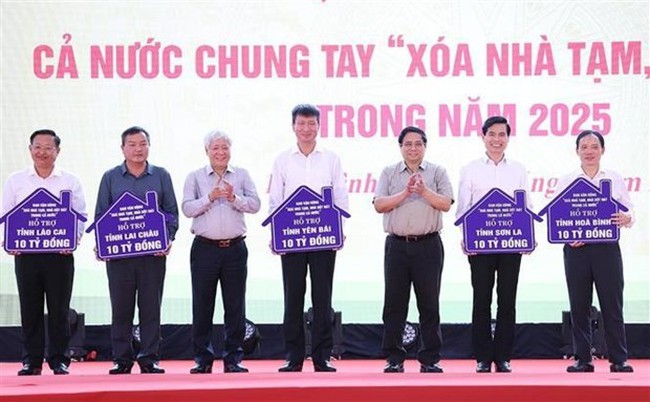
(300, 192)
(64, 201)
(497, 195)
(577, 185)
(151, 202)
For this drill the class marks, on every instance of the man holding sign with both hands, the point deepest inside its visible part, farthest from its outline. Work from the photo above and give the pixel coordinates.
(139, 277)
(44, 276)
(307, 164)
(492, 170)
(599, 264)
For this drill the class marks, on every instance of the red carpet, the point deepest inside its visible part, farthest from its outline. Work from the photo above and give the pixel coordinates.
(356, 380)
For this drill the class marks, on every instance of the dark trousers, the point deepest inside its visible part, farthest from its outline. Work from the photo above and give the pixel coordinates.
(210, 265)
(484, 269)
(294, 273)
(45, 278)
(418, 263)
(131, 279)
(600, 264)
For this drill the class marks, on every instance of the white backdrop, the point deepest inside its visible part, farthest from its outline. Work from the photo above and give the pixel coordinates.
(553, 68)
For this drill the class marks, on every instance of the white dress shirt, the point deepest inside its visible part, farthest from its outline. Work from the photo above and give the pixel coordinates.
(321, 168)
(24, 182)
(619, 190)
(482, 175)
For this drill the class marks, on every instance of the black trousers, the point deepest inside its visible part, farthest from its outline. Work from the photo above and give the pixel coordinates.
(420, 264)
(294, 273)
(210, 265)
(45, 279)
(130, 279)
(597, 264)
(484, 269)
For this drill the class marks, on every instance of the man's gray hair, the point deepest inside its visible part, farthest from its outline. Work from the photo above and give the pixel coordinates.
(216, 135)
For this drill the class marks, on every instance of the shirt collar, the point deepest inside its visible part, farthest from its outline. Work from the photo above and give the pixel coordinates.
(402, 166)
(601, 173)
(55, 172)
(208, 169)
(296, 150)
(148, 170)
(486, 159)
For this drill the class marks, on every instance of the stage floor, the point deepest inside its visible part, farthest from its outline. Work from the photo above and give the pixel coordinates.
(356, 380)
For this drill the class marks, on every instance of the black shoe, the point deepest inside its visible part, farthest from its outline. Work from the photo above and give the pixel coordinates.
(290, 366)
(29, 369)
(324, 367)
(394, 368)
(502, 367)
(430, 368)
(201, 369)
(121, 368)
(234, 368)
(483, 367)
(60, 369)
(621, 368)
(151, 368)
(580, 367)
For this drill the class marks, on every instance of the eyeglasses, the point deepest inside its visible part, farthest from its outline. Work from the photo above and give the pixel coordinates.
(413, 144)
(39, 148)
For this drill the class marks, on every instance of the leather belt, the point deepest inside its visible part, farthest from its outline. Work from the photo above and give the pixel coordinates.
(222, 243)
(412, 239)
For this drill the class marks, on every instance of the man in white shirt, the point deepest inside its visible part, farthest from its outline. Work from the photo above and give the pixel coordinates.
(493, 170)
(307, 164)
(599, 264)
(44, 276)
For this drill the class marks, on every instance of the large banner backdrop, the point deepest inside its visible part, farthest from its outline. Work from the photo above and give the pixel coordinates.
(90, 69)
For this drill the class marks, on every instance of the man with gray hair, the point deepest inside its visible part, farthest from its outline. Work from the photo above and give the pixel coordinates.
(216, 197)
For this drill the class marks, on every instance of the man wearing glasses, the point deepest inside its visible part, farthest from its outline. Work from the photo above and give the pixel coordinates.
(44, 276)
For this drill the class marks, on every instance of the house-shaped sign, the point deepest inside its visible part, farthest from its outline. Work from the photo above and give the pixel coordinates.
(131, 227)
(498, 223)
(305, 221)
(42, 223)
(583, 212)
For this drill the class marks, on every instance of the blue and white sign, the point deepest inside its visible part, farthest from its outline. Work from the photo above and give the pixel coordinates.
(498, 223)
(42, 223)
(131, 227)
(583, 212)
(305, 221)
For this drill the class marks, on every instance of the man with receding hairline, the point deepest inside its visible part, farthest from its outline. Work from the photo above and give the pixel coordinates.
(599, 265)
(44, 276)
